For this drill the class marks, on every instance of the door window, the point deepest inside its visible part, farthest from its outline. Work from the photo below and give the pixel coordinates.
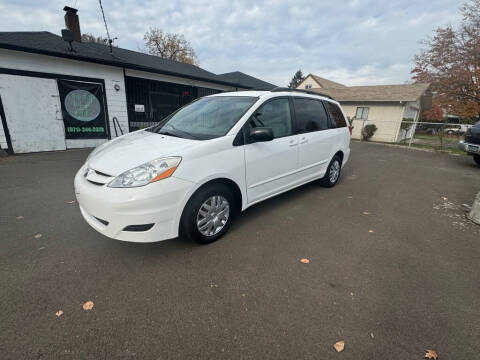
(276, 115)
(310, 115)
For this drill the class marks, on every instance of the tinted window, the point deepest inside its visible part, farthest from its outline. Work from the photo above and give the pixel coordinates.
(274, 114)
(310, 115)
(336, 114)
(207, 118)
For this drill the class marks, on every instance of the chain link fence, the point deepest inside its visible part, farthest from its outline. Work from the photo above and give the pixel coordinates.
(435, 135)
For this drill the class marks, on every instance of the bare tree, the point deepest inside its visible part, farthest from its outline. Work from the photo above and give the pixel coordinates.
(169, 46)
(90, 38)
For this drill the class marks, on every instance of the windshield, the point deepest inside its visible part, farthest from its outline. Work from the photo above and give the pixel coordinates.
(206, 118)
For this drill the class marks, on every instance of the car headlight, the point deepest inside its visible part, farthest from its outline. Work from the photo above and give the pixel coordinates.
(147, 173)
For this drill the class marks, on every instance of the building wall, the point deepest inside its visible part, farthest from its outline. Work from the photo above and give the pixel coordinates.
(116, 100)
(3, 140)
(309, 81)
(387, 118)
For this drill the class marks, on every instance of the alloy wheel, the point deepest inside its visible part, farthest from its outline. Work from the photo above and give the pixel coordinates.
(213, 215)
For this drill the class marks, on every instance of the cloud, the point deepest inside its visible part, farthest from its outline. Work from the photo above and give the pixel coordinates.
(356, 42)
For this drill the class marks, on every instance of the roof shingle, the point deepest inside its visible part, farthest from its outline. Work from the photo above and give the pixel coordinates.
(404, 92)
(46, 43)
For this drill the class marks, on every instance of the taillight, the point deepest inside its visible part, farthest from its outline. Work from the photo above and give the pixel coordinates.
(350, 128)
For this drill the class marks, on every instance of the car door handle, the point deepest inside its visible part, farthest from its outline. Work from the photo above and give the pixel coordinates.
(303, 140)
(292, 143)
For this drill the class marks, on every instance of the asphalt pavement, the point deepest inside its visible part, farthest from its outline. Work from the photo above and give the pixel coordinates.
(394, 270)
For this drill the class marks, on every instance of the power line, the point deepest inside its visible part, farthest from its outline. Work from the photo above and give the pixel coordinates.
(106, 27)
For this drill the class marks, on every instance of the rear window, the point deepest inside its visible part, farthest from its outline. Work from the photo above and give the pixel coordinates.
(336, 114)
(310, 115)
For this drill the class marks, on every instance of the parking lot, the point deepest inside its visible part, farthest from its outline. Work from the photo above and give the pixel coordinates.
(394, 270)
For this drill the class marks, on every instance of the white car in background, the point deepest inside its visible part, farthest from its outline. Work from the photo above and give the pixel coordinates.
(199, 167)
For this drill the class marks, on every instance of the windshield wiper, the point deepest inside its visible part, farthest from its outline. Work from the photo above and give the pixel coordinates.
(168, 133)
(189, 135)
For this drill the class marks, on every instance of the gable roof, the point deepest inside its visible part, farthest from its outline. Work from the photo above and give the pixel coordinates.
(246, 80)
(404, 92)
(46, 43)
(325, 83)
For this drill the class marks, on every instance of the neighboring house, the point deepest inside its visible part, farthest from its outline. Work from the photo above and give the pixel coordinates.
(53, 97)
(386, 106)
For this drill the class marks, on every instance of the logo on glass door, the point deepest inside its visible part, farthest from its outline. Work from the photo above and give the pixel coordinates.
(82, 105)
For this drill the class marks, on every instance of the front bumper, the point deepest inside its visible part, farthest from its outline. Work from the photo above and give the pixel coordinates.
(469, 147)
(111, 210)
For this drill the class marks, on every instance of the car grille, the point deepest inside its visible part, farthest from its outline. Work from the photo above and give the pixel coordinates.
(98, 178)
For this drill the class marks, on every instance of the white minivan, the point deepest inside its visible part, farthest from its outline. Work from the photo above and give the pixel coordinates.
(213, 158)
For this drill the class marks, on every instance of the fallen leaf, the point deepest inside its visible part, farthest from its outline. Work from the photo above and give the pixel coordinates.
(339, 346)
(370, 231)
(366, 213)
(371, 335)
(431, 354)
(350, 196)
(304, 261)
(59, 313)
(88, 305)
(19, 217)
(38, 236)
(71, 202)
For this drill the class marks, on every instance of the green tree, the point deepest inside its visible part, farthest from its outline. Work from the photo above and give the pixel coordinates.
(296, 80)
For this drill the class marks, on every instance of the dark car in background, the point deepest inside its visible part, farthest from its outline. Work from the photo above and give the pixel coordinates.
(471, 144)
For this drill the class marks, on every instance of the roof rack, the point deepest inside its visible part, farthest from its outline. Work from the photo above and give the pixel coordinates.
(282, 89)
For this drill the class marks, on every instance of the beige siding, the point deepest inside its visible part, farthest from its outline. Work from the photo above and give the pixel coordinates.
(309, 81)
(386, 117)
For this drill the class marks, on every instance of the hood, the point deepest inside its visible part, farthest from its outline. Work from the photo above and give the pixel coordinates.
(134, 149)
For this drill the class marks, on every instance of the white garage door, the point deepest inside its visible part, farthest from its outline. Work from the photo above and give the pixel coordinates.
(33, 114)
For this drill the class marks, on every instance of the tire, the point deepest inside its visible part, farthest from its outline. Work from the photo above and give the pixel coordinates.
(196, 212)
(333, 172)
(476, 158)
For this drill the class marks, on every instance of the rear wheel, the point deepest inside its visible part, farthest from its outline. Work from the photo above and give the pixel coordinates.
(208, 214)
(476, 158)
(333, 172)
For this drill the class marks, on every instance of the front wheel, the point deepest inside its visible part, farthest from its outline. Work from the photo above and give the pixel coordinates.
(208, 214)
(333, 172)
(476, 158)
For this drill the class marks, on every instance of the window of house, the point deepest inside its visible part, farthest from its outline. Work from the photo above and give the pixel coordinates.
(362, 113)
(276, 115)
(308, 86)
(310, 115)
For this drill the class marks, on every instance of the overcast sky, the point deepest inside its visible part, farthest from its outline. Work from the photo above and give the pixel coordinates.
(355, 42)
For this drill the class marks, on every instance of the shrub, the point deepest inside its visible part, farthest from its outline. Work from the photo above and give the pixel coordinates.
(368, 131)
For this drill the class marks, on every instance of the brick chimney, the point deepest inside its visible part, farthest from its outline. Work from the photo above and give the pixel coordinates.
(72, 23)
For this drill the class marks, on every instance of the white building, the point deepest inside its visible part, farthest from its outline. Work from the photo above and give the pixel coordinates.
(386, 106)
(57, 97)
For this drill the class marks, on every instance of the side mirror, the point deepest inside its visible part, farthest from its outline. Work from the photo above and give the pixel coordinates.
(260, 134)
